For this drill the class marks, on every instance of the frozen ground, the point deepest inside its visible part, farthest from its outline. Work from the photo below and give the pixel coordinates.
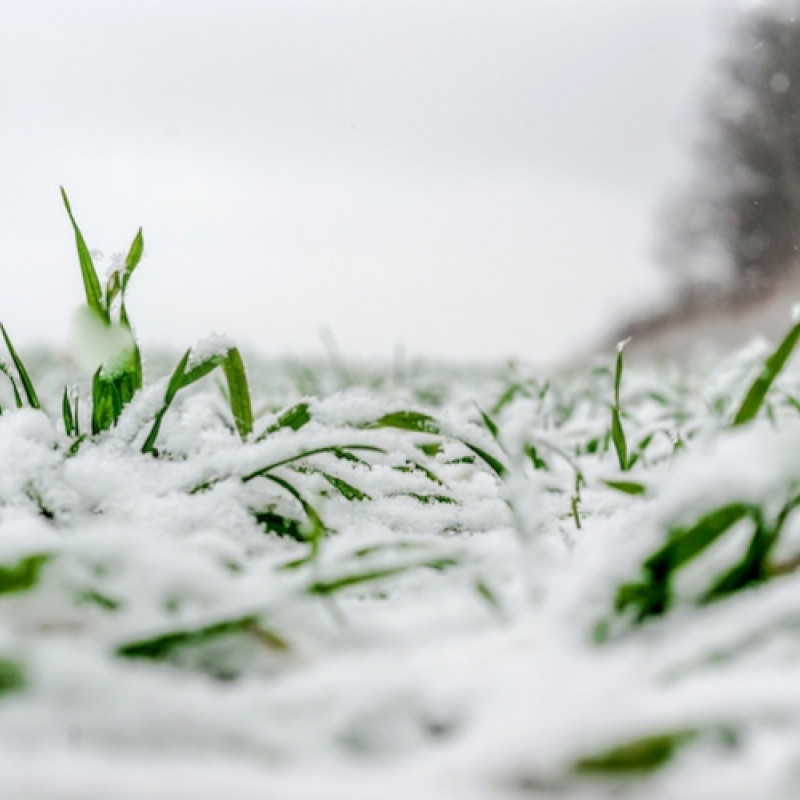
(166, 633)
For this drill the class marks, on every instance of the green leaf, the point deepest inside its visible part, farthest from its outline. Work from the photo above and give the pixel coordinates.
(12, 676)
(427, 499)
(106, 403)
(685, 543)
(281, 525)
(345, 489)
(329, 587)
(133, 258)
(536, 460)
(408, 421)
(17, 397)
(173, 387)
(238, 392)
(91, 283)
(652, 596)
(335, 449)
(27, 385)
(490, 424)
(294, 418)
(488, 459)
(773, 365)
(66, 414)
(159, 648)
(24, 574)
(640, 755)
(633, 488)
(617, 431)
(317, 526)
(619, 440)
(485, 592)
(413, 466)
(754, 568)
(508, 395)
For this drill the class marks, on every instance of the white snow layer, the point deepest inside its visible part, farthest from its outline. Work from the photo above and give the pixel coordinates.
(479, 678)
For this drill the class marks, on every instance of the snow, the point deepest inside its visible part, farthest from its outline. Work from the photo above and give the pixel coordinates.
(415, 684)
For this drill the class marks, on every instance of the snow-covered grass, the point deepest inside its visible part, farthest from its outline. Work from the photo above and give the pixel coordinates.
(413, 582)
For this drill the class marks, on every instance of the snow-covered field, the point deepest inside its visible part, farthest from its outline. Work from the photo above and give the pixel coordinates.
(457, 592)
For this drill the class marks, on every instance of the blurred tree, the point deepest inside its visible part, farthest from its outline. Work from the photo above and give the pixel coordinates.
(736, 228)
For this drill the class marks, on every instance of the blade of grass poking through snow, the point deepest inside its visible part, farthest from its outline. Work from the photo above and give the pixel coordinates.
(496, 466)
(335, 449)
(238, 390)
(328, 587)
(232, 367)
(317, 526)
(106, 403)
(633, 488)
(617, 431)
(407, 421)
(345, 489)
(70, 425)
(641, 755)
(27, 385)
(91, 283)
(173, 387)
(160, 648)
(23, 574)
(17, 397)
(653, 596)
(118, 281)
(424, 423)
(295, 418)
(773, 365)
(12, 676)
(490, 424)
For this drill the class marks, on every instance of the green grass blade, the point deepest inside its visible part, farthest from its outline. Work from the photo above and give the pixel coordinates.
(490, 424)
(17, 397)
(160, 648)
(24, 574)
(238, 389)
(633, 488)
(424, 423)
(326, 588)
(91, 283)
(295, 418)
(133, 258)
(66, 414)
(12, 676)
(641, 755)
(262, 471)
(754, 568)
(617, 431)
(106, 403)
(686, 543)
(407, 421)
(173, 387)
(488, 459)
(27, 385)
(317, 526)
(754, 399)
(619, 440)
(238, 392)
(618, 367)
(345, 489)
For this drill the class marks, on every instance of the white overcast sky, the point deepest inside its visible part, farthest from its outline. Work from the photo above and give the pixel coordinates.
(468, 178)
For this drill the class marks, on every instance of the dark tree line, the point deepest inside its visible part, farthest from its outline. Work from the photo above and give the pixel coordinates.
(736, 228)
